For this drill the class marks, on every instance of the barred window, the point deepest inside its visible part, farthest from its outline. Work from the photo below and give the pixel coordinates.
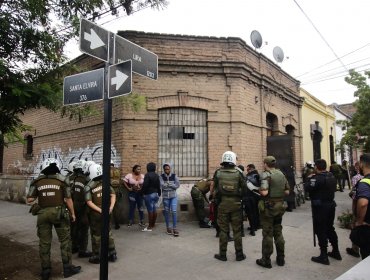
(182, 134)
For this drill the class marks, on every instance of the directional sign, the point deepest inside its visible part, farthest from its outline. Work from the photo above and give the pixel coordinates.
(84, 87)
(94, 40)
(144, 62)
(120, 79)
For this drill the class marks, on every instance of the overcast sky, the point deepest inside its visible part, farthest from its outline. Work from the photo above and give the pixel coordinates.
(311, 55)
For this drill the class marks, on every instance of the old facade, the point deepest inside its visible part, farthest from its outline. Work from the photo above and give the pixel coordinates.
(212, 95)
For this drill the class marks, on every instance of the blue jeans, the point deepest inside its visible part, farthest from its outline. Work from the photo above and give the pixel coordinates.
(135, 199)
(170, 204)
(150, 201)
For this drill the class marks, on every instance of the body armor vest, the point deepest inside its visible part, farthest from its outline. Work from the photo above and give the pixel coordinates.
(203, 186)
(50, 191)
(228, 182)
(78, 186)
(277, 183)
(115, 176)
(97, 193)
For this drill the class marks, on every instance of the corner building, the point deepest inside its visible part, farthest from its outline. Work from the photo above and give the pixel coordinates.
(212, 95)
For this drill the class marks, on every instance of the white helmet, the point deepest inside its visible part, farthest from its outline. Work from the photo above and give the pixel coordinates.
(310, 164)
(86, 166)
(49, 162)
(80, 164)
(229, 157)
(71, 166)
(95, 171)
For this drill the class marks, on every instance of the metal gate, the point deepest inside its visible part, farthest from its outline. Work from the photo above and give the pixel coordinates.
(182, 140)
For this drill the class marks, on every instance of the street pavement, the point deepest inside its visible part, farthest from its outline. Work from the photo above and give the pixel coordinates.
(158, 256)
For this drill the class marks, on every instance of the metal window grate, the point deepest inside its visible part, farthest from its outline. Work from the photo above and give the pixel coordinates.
(182, 134)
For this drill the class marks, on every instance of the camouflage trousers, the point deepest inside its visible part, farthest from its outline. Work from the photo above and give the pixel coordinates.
(96, 223)
(198, 201)
(80, 228)
(229, 214)
(46, 219)
(272, 230)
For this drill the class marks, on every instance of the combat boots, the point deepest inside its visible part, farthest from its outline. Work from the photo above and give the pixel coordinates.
(112, 256)
(280, 260)
(335, 254)
(323, 258)
(69, 270)
(240, 256)
(45, 273)
(221, 257)
(264, 263)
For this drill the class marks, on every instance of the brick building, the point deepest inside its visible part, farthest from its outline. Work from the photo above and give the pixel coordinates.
(212, 95)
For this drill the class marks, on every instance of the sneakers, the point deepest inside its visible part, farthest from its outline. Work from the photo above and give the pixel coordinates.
(129, 224)
(220, 257)
(352, 252)
(146, 229)
(141, 224)
(264, 263)
(175, 232)
(169, 231)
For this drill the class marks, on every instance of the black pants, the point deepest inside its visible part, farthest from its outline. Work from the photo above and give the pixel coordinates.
(360, 236)
(250, 204)
(323, 214)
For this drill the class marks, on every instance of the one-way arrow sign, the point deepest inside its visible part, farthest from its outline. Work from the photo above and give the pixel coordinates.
(94, 40)
(120, 79)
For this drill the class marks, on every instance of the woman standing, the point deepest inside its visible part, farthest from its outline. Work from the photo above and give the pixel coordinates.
(152, 192)
(134, 183)
(169, 184)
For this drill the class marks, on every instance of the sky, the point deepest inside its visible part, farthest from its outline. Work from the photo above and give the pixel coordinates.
(321, 39)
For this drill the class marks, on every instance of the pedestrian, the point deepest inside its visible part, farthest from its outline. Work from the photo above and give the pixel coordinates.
(93, 197)
(252, 197)
(116, 183)
(54, 197)
(322, 186)
(152, 192)
(133, 182)
(345, 175)
(169, 184)
(229, 186)
(79, 228)
(274, 187)
(360, 234)
(354, 250)
(199, 196)
(336, 170)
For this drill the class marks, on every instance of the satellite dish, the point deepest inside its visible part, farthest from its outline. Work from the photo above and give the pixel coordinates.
(256, 39)
(278, 54)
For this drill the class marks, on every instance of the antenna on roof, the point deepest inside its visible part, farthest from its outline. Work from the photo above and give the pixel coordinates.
(256, 39)
(278, 54)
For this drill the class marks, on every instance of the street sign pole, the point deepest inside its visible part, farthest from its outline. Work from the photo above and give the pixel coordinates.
(107, 139)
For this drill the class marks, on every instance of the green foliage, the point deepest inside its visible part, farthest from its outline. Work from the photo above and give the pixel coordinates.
(345, 219)
(358, 128)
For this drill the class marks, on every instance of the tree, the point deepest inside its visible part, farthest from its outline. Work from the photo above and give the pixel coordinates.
(33, 34)
(358, 128)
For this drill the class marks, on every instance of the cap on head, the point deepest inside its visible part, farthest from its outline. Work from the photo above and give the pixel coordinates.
(269, 160)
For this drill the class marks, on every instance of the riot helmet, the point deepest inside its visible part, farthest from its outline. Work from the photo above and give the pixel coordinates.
(95, 171)
(229, 158)
(50, 166)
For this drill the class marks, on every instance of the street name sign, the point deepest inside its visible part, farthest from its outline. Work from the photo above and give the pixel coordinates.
(94, 40)
(83, 87)
(144, 62)
(120, 79)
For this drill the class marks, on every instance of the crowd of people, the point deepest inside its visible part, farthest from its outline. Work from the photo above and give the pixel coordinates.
(73, 205)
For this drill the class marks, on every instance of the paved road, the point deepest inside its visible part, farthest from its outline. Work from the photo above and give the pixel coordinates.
(157, 256)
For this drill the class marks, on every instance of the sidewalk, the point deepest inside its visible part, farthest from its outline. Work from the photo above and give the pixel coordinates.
(157, 256)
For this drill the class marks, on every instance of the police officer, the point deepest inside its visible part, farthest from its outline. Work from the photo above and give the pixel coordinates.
(80, 228)
(229, 187)
(308, 171)
(199, 195)
(53, 194)
(274, 187)
(321, 187)
(116, 183)
(93, 197)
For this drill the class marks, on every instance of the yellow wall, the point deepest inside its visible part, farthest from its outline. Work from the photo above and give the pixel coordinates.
(315, 110)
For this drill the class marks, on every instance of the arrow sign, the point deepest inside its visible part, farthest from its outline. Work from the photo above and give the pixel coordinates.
(94, 40)
(120, 77)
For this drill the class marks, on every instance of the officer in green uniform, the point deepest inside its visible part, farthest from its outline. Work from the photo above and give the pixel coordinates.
(53, 194)
(93, 197)
(198, 195)
(116, 183)
(229, 187)
(80, 228)
(274, 186)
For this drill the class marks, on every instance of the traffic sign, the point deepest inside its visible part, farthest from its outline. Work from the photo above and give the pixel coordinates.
(144, 62)
(84, 87)
(94, 40)
(120, 79)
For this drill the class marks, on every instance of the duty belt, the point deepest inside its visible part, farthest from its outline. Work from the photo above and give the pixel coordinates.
(275, 199)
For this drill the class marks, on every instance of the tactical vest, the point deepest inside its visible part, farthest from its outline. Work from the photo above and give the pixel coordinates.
(277, 183)
(203, 186)
(78, 189)
(228, 182)
(96, 189)
(50, 190)
(115, 176)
